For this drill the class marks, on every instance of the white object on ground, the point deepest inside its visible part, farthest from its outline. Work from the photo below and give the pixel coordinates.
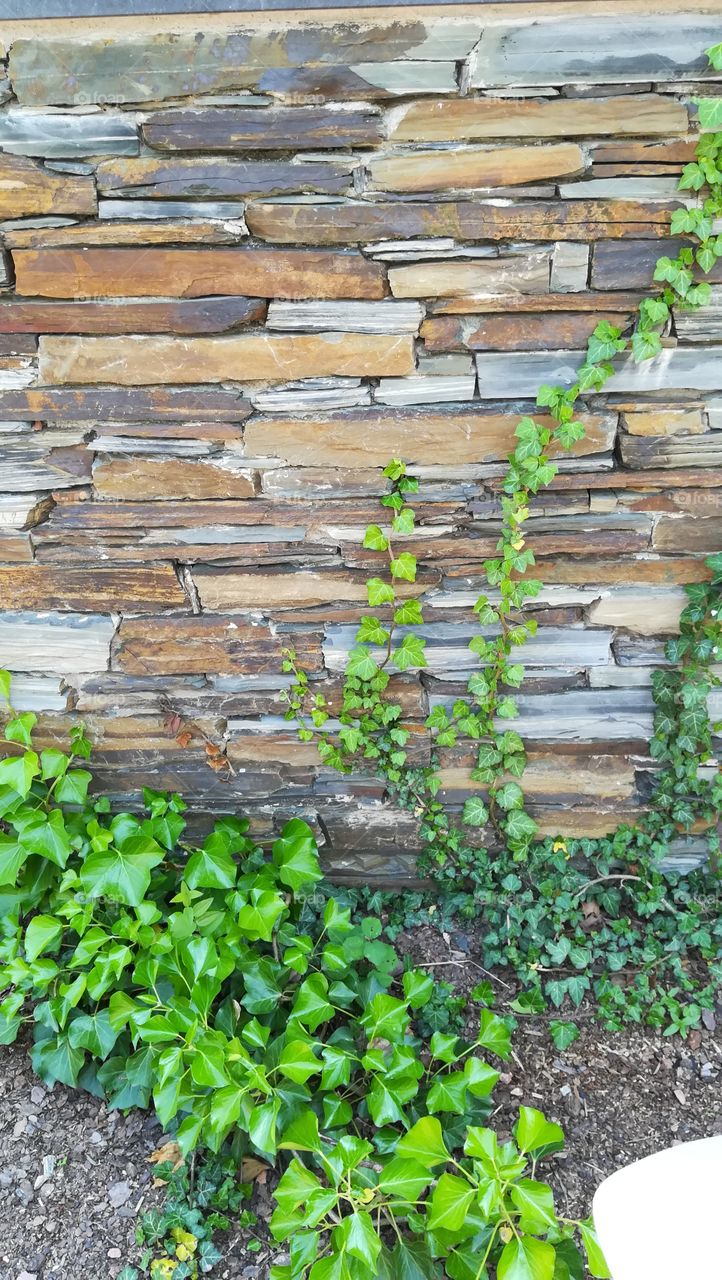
(659, 1217)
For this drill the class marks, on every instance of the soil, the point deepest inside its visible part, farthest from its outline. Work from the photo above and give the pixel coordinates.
(74, 1176)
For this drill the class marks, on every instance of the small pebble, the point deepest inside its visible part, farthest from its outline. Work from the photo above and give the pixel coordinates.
(114, 1253)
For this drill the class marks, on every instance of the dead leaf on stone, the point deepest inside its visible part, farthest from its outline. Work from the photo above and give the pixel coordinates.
(592, 913)
(253, 1170)
(172, 722)
(169, 1153)
(695, 1039)
(185, 738)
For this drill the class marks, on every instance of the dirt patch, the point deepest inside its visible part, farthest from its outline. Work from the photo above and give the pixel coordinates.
(74, 1176)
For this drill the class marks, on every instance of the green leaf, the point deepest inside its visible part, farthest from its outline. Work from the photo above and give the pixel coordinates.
(410, 653)
(418, 987)
(18, 772)
(563, 1033)
(55, 1059)
(302, 1133)
(375, 539)
(73, 787)
(42, 934)
(535, 1203)
(424, 1142)
(450, 1202)
(710, 113)
(122, 874)
(494, 1034)
(537, 1135)
(296, 856)
(298, 1062)
(20, 729)
(475, 813)
(404, 1179)
(379, 592)
(211, 868)
(595, 1258)
(46, 835)
(526, 1259)
(94, 1033)
(361, 664)
(5, 685)
(259, 916)
(385, 1018)
(404, 566)
(311, 1006)
(356, 1235)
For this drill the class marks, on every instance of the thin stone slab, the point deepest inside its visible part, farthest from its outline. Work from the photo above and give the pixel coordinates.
(91, 590)
(125, 404)
(217, 177)
(704, 325)
(196, 273)
(345, 317)
(657, 47)
(671, 452)
(625, 188)
(203, 315)
(136, 360)
(473, 119)
(38, 693)
(355, 222)
(570, 267)
(630, 264)
(504, 376)
(262, 128)
(49, 460)
(148, 69)
(467, 167)
(447, 648)
(219, 210)
(425, 389)
(55, 643)
(312, 394)
(492, 276)
(30, 133)
(142, 234)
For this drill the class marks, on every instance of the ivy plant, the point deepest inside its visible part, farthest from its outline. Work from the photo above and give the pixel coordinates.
(570, 916)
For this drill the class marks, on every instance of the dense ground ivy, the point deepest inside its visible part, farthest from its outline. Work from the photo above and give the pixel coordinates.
(156, 970)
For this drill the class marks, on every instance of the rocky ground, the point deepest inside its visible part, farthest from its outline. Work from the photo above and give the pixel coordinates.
(74, 1176)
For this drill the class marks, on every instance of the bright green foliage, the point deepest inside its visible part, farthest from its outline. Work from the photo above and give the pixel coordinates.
(198, 979)
(581, 916)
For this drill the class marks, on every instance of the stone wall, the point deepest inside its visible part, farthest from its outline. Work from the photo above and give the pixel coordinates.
(240, 271)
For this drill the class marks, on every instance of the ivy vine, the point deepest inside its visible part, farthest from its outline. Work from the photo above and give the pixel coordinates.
(570, 916)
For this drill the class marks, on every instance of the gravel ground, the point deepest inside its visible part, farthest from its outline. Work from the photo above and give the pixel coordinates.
(74, 1175)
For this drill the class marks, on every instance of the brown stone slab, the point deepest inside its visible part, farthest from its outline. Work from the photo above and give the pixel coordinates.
(674, 152)
(491, 275)
(692, 478)
(273, 357)
(204, 315)
(262, 128)
(123, 404)
(533, 302)
(154, 477)
(359, 222)
(187, 646)
(589, 571)
(15, 548)
(27, 189)
(194, 273)
(445, 120)
(138, 516)
(631, 264)
(418, 436)
(227, 589)
(115, 231)
(698, 533)
(92, 590)
(474, 167)
(665, 422)
(213, 178)
(514, 333)
(473, 551)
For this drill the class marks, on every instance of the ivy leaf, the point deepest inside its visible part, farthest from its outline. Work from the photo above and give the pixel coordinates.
(296, 856)
(494, 1034)
(93, 1033)
(525, 1258)
(404, 1179)
(710, 113)
(475, 812)
(73, 787)
(211, 867)
(450, 1203)
(375, 539)
(21, 728)
(379, 592)
(596, 1261)
(410, 653)
(418, 987)
(42, 934)
(563, 1033)
(537, 1135)
(17, 772)
(424, 1142)
(361, 664)
(404, 566)
(535, 1202)
(357, 1236)
(122, 874)
(258, 917)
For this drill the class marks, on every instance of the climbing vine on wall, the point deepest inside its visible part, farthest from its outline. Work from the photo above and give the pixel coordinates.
(569, 915)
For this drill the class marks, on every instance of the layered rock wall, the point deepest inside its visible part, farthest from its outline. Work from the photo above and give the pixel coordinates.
(240, 270)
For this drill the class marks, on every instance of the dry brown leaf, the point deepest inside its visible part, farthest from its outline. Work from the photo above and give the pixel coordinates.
(253, 1170)
(185, 738)
(212, 749)
(169, 1153)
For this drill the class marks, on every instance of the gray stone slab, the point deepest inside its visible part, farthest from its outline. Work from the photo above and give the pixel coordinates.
(60, 70)
(150, 210)
(342, 393)
(669, 452)
(704, 325)
(570, 267)
(657, 47)
(447, 648)
(59, 135)
(624, 189)
(38, 693)
(346, 317)
(423, 389)
(220, 177)
(512, 374)
(581, 715)
(55, 643)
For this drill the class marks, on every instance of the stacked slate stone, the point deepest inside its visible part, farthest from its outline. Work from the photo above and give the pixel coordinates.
(243, 269)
